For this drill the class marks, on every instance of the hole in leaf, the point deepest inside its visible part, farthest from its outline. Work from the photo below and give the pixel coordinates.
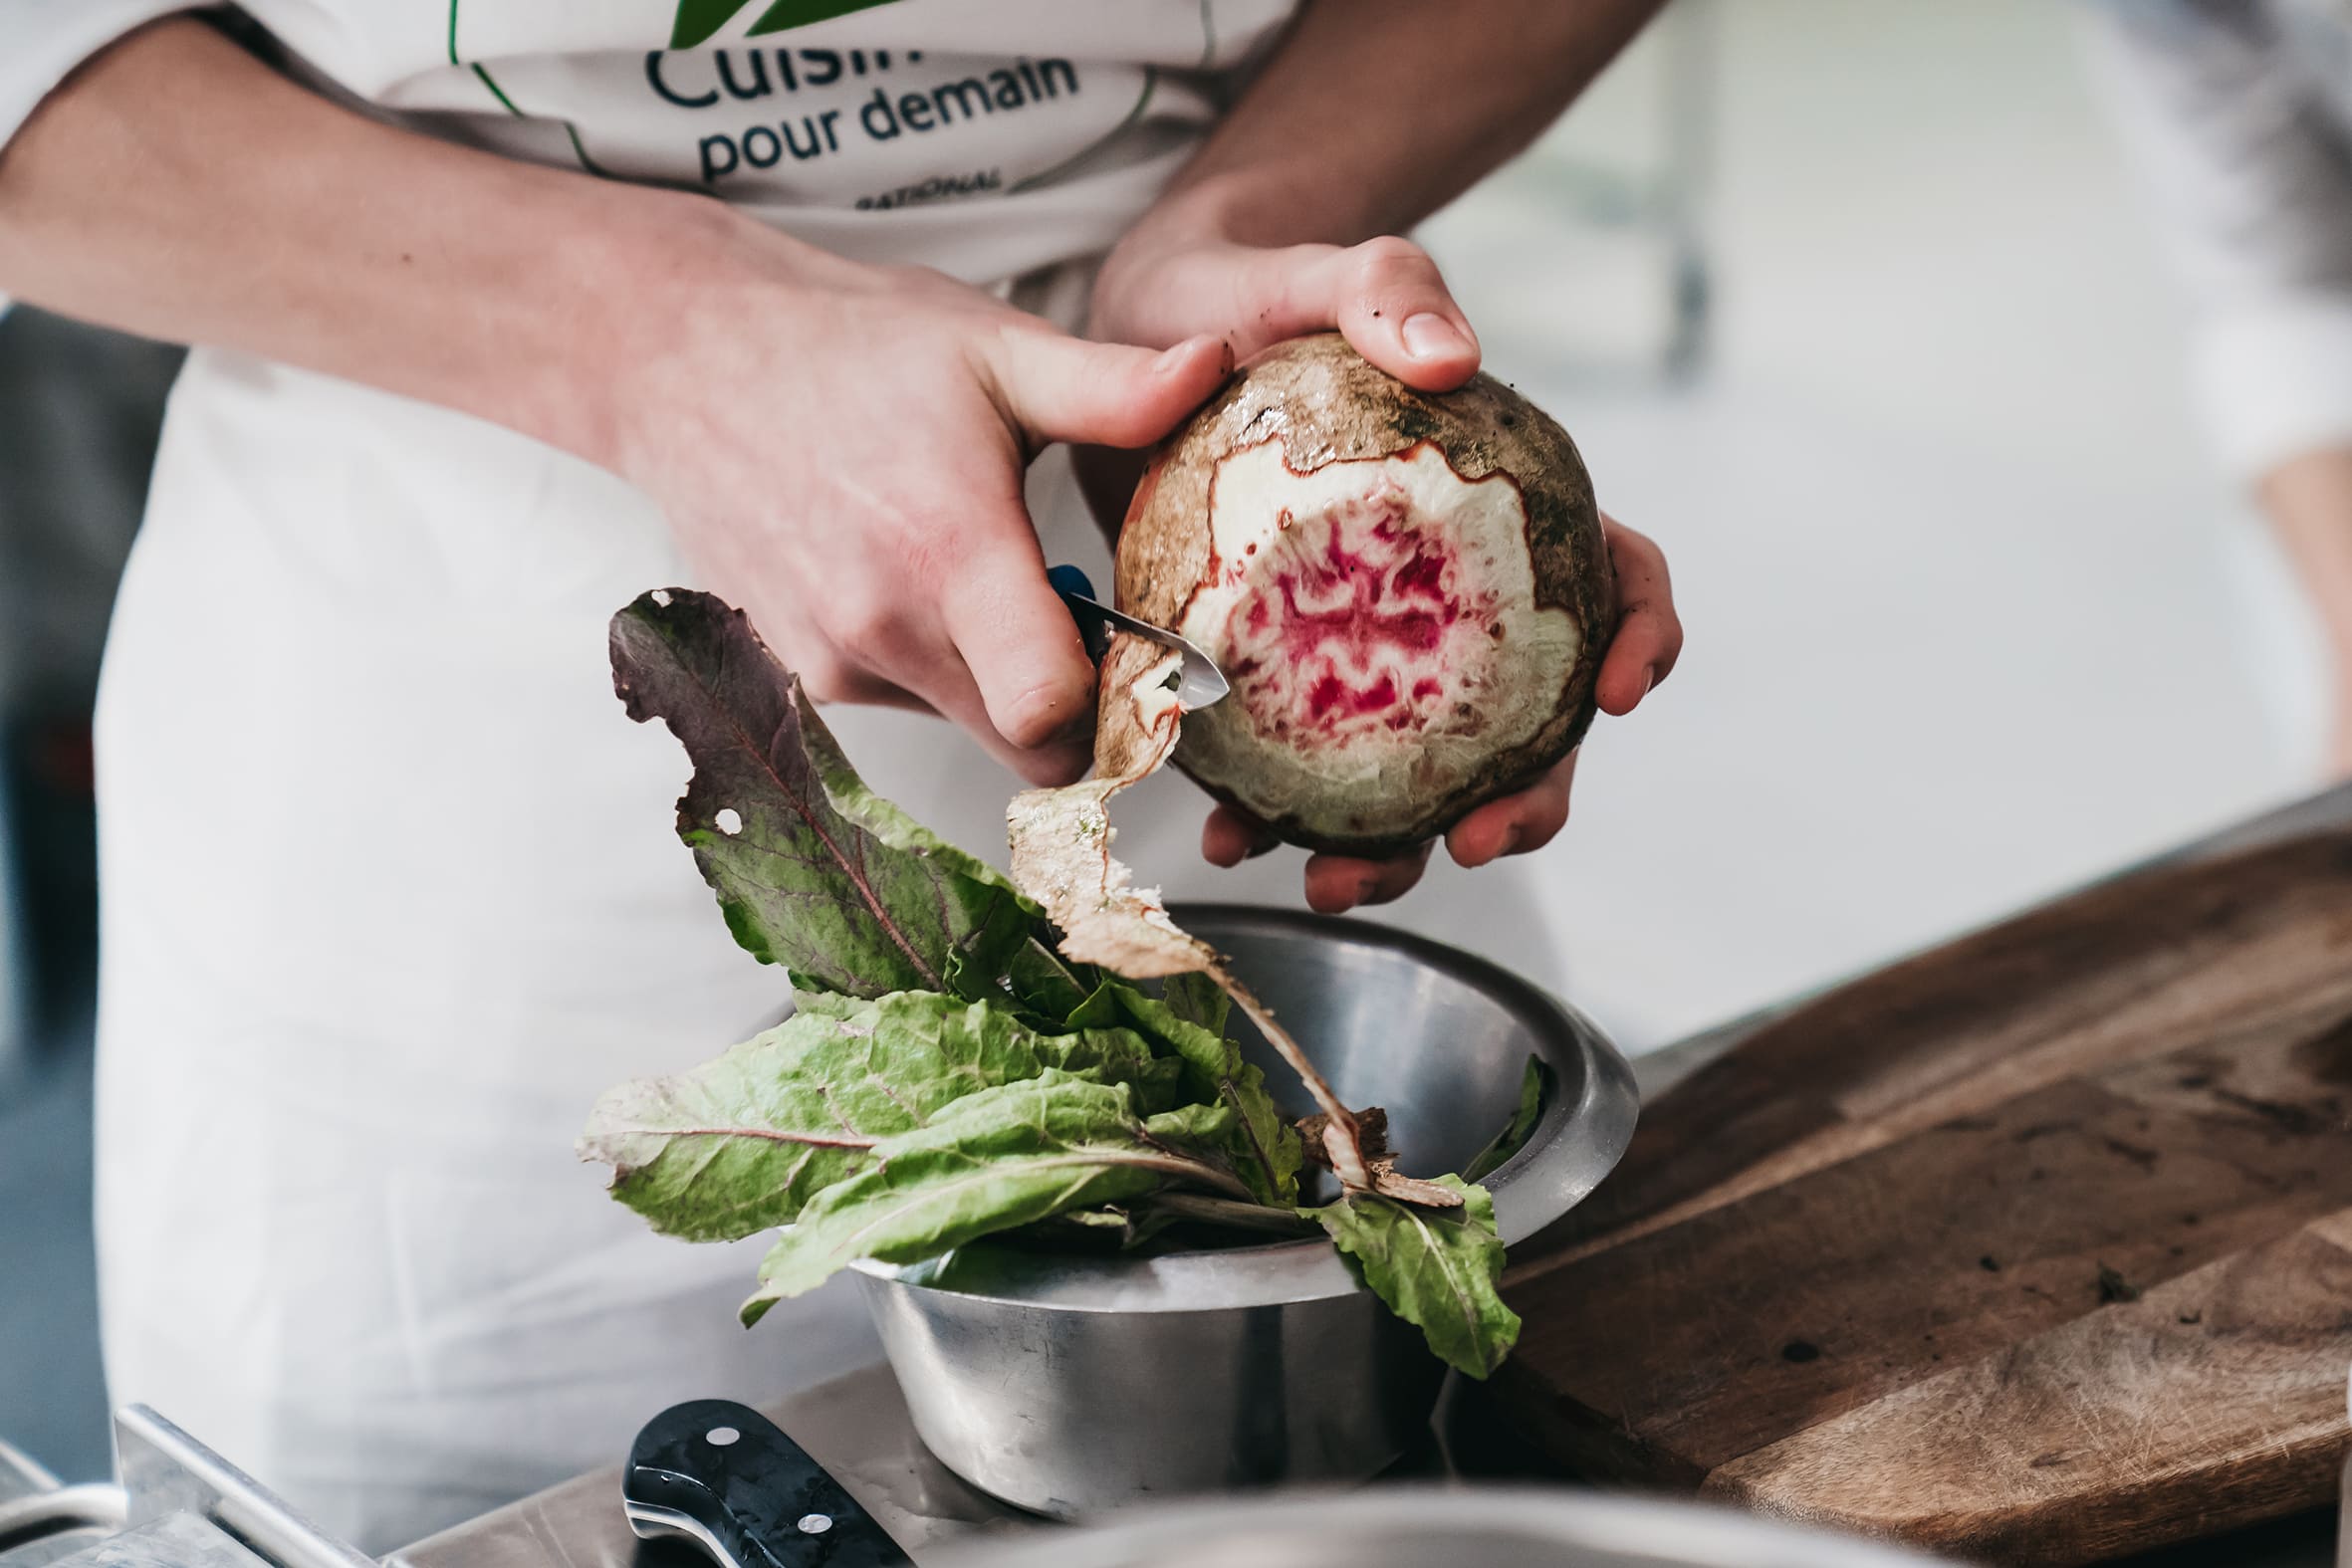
(728, 821)
(660, 596)
(721, 1437)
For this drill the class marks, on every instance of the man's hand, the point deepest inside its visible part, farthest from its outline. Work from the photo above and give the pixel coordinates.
(841, 448)
(1386, 297)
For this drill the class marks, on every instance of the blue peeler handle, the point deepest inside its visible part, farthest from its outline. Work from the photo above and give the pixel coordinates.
(1077, 593)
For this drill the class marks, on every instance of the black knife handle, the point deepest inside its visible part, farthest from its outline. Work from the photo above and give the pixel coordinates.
(721, 1475)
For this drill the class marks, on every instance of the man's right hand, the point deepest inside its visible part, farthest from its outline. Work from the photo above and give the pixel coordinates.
(840, 449)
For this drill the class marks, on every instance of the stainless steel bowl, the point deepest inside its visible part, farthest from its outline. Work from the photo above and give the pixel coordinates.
(1078, 1385)
(1413, 1527)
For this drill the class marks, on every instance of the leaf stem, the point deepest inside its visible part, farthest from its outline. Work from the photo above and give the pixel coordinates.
(1342, 1138)
(1190, 1168)
(772, 1134)
(1239, 1215)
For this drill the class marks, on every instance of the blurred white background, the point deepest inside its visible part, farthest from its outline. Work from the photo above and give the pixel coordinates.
(1971, 620)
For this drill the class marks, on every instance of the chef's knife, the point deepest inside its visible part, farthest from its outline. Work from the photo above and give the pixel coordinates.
(721, 1475)
(1202, 682)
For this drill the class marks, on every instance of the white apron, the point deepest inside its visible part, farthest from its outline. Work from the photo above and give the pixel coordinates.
(391, 893)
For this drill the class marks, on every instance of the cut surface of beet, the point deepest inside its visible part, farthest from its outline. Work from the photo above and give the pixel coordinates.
(1409, 592)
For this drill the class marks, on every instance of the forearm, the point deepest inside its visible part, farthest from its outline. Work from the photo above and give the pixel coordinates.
(2309, 502)
(1373, 113)
(178, 188)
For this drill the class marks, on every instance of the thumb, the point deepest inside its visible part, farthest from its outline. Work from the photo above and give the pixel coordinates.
(1061, 388)
(1389, 301)
(1385, 296)
(1017, 640)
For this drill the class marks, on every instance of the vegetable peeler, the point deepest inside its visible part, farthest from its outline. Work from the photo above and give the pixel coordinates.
(1204, 683)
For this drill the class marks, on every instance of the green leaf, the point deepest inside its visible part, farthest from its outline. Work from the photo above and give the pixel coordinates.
(1117, 1055)
(1437, 1268)
(884, 819)
(1000, 1158)
(1199, 999)
(1101, 1007)
(1047, 984)
(1198, 1129)
(827, 1003)
(739, 1144)
(1534, 1083)
(812, 870)
(1263, 1145)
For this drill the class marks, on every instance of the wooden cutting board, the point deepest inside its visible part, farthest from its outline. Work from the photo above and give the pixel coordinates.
(2037, 1249)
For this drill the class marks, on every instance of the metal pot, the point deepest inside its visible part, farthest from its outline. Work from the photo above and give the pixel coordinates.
(1076, 1386)
(1413, 1527)
(180, 1505)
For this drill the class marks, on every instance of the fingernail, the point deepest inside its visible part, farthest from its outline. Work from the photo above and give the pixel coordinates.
(1365, 887)
(1429, 335)
(1262, 847)
(1649, 678)
(1511, 838)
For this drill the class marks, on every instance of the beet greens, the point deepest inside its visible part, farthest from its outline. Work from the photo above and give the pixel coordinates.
(949, 1072)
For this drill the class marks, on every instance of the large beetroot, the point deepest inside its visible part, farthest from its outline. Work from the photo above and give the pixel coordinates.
(1409, 592)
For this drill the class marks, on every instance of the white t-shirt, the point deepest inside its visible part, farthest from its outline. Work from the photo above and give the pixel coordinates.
(983, 138)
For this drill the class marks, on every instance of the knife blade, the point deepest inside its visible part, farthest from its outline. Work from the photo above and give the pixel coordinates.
(722, 1476)
(1203, 683)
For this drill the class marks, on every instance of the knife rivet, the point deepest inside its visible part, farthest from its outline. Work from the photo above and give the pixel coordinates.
(816, 1523)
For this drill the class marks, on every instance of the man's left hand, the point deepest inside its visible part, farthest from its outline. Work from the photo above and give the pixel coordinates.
(1386, 297)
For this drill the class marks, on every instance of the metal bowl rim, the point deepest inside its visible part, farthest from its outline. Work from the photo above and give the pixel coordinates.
(1574, 1145)
(1667, 1530)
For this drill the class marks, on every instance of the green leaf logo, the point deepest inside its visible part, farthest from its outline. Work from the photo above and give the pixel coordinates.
(699, 20)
